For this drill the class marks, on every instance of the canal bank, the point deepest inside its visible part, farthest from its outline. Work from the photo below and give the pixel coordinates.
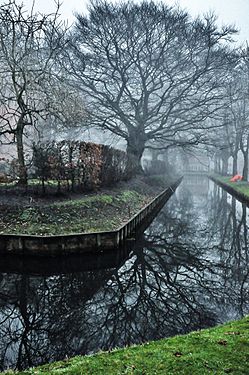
(220, 350)
(239, 189)
(76, 243)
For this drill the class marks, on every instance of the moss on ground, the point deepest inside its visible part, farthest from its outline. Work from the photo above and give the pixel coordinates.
(220, 350)
(99, 212)
(239, 186)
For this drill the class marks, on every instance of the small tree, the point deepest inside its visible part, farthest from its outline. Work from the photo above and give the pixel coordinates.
(29, 44)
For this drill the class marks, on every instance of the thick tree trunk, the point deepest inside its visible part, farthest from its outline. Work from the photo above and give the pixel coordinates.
(135, 149)
(134, 161)
(22, 170)
(217, 164)
(245, 167)
(224, 166)
(235, 163)
(245, 152)
(224, 162)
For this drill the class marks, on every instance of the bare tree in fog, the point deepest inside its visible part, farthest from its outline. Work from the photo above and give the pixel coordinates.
(244, 110)
(237, 117)
(148, 71)
(66, 112)
(230, 134)
(29, 44)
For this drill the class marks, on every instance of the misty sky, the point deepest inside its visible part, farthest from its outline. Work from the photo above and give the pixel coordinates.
(229, 11)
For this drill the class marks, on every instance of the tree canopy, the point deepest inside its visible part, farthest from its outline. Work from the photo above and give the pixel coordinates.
(150, 72)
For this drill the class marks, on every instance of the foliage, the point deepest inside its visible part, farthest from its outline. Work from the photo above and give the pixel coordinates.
(83, 165)
(220, 350)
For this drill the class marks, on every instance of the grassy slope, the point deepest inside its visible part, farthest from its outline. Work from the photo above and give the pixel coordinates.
(106, 210)
(98, 212)
(220, 350)
(240, 186)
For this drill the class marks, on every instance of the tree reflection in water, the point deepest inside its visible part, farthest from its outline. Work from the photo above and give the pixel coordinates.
(188, 271)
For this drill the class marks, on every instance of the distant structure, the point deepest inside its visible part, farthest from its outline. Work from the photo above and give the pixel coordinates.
(197, 185)
(196, 163)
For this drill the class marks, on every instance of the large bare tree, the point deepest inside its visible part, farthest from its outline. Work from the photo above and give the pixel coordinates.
(148, 71)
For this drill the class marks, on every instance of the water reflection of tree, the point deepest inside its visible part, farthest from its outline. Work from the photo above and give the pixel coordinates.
(39, 316)
(233, 247)
(185, 273)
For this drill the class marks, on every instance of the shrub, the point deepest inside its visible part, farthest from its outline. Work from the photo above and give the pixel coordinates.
(81, 165)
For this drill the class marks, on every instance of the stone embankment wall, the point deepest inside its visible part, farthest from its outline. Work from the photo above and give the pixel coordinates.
(85, 242)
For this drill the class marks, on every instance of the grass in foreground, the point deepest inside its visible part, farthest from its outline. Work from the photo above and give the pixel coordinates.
(99, 212)
(240, 186)
(220, 350)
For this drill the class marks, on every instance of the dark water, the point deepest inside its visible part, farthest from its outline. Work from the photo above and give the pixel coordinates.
(190, 270)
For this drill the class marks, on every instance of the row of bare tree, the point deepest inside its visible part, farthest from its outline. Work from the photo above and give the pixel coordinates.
(230, 137)
(147, 73)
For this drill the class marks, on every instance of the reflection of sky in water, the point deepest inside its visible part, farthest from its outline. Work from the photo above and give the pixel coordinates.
(189, 271)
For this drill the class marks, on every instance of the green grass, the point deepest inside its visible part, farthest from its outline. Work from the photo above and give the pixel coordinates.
(220, 350)
(8, 184)
(37, 182)
(99, 212)
(240, 186)
(33, 183)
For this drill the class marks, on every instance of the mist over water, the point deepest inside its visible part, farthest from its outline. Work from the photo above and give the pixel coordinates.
(188, 271)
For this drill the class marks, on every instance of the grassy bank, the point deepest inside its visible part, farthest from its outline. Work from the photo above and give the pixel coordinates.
(100, 212)
(103, 211)
(241, 187)
(220, 350)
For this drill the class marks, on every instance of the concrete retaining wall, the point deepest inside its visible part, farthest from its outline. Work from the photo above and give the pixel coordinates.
(84, 242)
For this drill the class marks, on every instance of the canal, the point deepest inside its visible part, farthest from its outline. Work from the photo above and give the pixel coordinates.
(189, 270)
